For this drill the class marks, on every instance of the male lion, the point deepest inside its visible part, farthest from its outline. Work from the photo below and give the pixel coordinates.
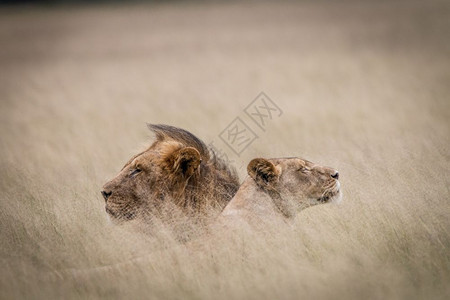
(177, 168)
(283, 186)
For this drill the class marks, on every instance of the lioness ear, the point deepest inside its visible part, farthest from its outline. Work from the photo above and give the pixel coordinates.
(263, 172)
(185, 161)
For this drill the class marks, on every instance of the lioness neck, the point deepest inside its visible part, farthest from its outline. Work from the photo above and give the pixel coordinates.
(250, 200)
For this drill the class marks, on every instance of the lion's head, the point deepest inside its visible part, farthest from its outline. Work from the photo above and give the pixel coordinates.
(177, 167)
(289, 184)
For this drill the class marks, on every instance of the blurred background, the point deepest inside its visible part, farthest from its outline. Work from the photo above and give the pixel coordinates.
(361, 86)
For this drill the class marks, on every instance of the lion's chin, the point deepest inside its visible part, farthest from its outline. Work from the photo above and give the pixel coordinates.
(334, 197)
(117, 218)
(337, 199)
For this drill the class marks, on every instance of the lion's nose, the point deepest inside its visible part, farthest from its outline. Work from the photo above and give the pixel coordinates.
(106, 194)
(335, 175)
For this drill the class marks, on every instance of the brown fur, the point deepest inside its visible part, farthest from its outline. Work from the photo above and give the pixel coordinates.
(177, 168)
(282, 186)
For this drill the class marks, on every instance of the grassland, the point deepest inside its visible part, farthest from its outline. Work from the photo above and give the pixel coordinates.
(364, 88)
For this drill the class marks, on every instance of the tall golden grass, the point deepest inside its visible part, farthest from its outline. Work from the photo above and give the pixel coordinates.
(364, 88)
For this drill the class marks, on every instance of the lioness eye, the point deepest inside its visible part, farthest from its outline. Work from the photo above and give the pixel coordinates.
(305, 170)
(135, 171)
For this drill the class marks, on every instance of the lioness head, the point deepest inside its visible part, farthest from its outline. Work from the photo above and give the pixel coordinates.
(297, 180)
(276, 190)
(177, 167)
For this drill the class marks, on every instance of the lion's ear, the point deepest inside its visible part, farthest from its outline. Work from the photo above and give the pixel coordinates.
(185, 161)
(263, 172)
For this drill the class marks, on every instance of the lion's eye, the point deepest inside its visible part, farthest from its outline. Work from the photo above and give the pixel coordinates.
(135, 172)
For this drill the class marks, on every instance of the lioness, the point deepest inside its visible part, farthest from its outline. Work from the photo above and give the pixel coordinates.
(283, 186)
(177, 167)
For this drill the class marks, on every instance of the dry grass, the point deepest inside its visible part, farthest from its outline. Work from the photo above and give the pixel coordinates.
(364, 88)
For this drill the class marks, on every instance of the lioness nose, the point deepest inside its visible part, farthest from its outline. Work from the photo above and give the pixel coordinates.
(106, 194)
(335, 175)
